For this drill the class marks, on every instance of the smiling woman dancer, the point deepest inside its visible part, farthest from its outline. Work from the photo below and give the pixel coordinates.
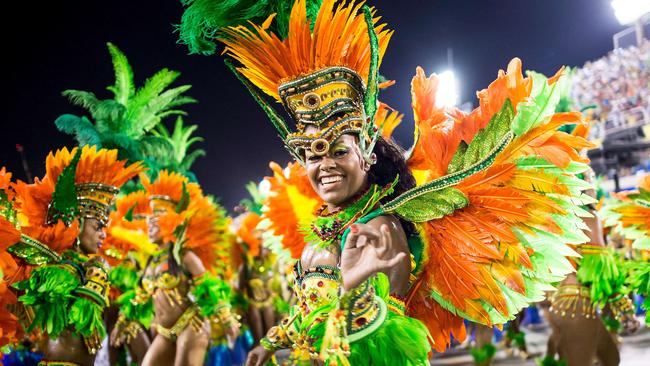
(479, 236)
(62, 219)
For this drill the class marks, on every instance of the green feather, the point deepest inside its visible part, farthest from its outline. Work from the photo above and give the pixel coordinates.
(210, 294)
(536, 109)
(124, 122)
(484, 141)
(483, 354)
(255, 203)
(184, 201)
(535, 162)
(432, 205)
(179, 141)
(123, 278)
(372, 90)
(278, 122)
(86, 317)
(64, 199)
(83, 130)
(203, 19)
(50, 292)
(124, 86)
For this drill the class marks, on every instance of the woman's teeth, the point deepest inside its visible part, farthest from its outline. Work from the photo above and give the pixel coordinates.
(329, 180)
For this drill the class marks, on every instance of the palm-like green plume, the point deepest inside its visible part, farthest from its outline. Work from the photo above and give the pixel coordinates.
(174, 156)
(124, 122)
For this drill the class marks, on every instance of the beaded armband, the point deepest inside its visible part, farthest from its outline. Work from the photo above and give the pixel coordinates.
(396, 304)
(128, 329)
(621, 307)
(365, 311)
(572, 300)
(96, 286)
(278, 336)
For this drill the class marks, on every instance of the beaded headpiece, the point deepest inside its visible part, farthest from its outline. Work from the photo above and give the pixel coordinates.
(323, 69)
(98, 175)
(168, 193)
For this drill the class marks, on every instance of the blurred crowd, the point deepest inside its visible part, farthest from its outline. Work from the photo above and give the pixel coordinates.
(616, 87)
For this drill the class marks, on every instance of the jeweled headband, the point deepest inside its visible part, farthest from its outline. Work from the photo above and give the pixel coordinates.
(95, 200)
(161, 204)
(331, 100)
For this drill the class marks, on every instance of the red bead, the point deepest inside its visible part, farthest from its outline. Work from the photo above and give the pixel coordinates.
(320, 284)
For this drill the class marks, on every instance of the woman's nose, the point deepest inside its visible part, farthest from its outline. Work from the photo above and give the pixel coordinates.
(327, 163)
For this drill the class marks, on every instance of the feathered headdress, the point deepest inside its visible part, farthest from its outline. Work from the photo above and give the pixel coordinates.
(167, 193)
(190, 219)
(79, 183)
(324, 71)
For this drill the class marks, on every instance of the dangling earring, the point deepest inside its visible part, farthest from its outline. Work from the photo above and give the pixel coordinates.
(370, 162)
(77, 243)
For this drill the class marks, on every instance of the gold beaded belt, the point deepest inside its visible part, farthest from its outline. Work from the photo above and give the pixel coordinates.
(189, 317)
(57, 363)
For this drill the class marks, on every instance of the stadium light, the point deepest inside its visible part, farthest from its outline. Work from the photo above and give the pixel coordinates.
(629, 11)
(447, 94)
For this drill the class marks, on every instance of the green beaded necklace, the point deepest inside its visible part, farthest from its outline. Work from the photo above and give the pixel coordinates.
(329, 227)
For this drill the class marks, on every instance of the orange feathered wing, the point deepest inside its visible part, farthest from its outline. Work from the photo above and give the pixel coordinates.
(502, 245)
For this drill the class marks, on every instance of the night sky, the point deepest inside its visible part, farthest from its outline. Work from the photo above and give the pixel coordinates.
(60, 45)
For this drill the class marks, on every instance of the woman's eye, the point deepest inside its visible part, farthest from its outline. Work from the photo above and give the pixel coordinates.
(340, 153)
(313, 158)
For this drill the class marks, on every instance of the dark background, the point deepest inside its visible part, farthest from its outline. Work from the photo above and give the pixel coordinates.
(51, 46)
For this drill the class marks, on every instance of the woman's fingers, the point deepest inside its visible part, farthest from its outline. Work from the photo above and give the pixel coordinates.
(395, 260)
(357, 231)
(366, 230)
(386, 243)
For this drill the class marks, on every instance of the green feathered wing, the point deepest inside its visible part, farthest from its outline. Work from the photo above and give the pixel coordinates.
(495, 221)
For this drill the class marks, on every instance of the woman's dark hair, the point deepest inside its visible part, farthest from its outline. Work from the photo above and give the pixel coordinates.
(391, 163)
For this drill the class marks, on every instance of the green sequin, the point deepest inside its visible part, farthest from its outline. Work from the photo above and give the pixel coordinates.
(33, 252)
(422, 192)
